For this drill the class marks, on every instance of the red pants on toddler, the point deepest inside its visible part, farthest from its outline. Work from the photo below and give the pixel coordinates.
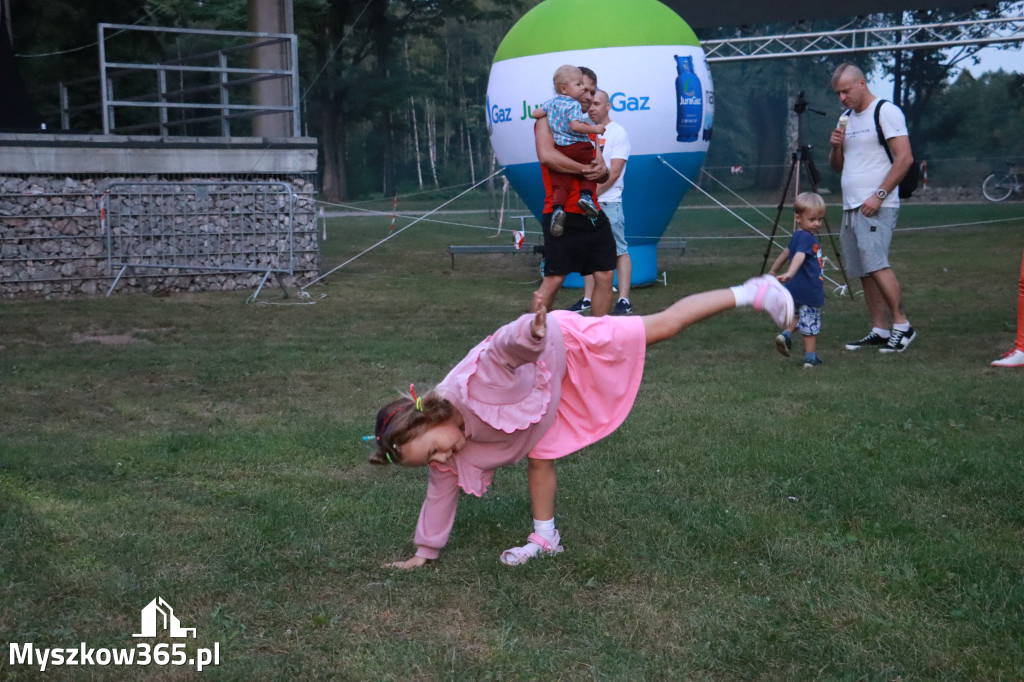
(561, 183)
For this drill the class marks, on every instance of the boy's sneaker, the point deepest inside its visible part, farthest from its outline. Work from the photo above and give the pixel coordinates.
(580, 306)
(813, 362)
(1015, 358)
(623, 307)
(784, 343)
(871, 339)
(898, 341)
(558, 223)
(773, 298)
(588, 206)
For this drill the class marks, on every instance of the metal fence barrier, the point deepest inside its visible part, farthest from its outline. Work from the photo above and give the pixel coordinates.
(202, 91)
(204, 226)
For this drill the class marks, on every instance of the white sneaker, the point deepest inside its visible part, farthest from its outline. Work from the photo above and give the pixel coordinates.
(1015, 358)
(773, 298)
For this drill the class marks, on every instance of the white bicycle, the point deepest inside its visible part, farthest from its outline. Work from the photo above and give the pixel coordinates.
(1001, 185)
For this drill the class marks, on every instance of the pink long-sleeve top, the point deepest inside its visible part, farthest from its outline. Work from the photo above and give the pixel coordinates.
(507, 390)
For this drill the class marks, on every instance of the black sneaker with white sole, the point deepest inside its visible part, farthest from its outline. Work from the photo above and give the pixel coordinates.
(899, 341)
(870, 340)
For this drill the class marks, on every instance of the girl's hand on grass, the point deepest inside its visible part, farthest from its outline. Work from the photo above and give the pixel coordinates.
(408, 564)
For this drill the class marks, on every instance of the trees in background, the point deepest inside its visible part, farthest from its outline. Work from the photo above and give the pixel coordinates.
(756, 124)
(394, 89)
(966, 119)
(920, 77)
(978, 118)
(374, 107)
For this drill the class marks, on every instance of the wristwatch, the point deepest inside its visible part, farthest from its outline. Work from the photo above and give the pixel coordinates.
(881, 194)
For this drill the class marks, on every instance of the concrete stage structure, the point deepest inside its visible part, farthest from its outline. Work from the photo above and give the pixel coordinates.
(77, 210)
(203, 182)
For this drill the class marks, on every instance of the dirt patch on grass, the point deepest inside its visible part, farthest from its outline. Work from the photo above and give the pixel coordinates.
(105, 339)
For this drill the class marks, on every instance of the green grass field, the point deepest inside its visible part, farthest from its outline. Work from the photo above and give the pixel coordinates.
(750, 520)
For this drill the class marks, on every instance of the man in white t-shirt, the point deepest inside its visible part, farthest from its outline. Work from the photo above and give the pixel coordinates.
(871, 203)
(614, 144)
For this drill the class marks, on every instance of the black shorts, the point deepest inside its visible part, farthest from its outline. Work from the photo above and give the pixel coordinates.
(584, 247)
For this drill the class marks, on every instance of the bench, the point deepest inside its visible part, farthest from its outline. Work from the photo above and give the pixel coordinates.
(673, 244)
(492, 248)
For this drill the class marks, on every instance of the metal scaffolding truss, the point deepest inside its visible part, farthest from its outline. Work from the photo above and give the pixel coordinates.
(879, 39)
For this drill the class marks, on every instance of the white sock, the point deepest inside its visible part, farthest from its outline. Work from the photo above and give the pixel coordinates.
(545, 529)
(884, 333)
(903, 326)
(744, 295)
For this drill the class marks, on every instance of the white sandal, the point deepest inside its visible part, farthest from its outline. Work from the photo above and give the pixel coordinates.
(520, 555)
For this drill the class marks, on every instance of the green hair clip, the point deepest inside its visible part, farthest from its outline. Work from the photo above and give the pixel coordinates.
(387, 455)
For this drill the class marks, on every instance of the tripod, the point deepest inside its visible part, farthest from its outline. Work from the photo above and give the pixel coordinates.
(802, 160)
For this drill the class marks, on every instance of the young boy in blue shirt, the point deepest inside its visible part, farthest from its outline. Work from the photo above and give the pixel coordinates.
(803, 277)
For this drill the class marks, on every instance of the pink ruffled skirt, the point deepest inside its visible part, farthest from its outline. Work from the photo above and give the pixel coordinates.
(604, 366)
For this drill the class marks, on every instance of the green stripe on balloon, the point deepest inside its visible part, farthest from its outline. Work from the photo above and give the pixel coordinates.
(562, 25)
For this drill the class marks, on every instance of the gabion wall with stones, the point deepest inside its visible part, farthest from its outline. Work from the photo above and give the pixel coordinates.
(52, 241)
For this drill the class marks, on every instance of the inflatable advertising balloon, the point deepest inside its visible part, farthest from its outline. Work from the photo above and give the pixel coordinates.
(651, 65)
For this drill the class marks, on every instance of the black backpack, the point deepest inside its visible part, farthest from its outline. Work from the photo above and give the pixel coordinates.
(911, 180)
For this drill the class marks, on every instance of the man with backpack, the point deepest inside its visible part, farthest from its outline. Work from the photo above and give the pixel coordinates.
(871, 149)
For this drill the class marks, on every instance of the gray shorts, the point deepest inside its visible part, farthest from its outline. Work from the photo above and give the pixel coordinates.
(865, 241)
(613, 209)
